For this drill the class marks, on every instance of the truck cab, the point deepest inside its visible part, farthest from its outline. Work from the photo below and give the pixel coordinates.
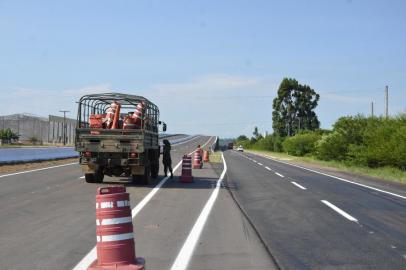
(117, 135)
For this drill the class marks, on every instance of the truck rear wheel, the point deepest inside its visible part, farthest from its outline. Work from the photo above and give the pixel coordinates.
(143, 178)
(89, 177)
(94, 177)
(154, 170)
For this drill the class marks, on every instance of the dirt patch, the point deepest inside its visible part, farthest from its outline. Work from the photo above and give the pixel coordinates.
(10, 168)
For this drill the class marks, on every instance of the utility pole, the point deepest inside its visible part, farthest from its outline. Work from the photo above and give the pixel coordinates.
(64, 126)
(386, 102)
(372, 109)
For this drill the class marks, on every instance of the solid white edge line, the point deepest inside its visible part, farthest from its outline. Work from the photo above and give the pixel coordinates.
(186, 252)
(36, 170)
(299, 186)
(335, 177)
(279, 174)
(269, 169)
(338, 210)
(92, 255)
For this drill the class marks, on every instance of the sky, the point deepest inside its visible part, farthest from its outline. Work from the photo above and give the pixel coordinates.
(212, 67)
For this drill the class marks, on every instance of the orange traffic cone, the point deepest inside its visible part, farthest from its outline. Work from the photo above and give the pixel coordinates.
(206, 156)
(197, 161)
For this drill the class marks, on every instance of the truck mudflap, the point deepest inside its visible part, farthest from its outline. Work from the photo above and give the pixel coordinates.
(89, 168)
(137, 169)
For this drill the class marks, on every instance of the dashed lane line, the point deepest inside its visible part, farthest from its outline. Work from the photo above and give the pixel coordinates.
(299, 186)
(341, 212)
(269, 169)
(186, 252)
(332, 176)
(260, 164)
(279, 174)
(92, 255)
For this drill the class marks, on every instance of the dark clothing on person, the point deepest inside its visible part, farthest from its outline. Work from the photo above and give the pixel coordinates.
(166, 158)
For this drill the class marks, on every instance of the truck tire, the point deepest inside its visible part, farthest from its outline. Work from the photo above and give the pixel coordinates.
(94, 177)
(143, 179)
(154, 164)
(154, 170)
(99, 176)
(89, 177)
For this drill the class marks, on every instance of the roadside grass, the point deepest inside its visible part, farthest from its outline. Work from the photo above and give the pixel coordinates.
(215, 157)
(386, 173)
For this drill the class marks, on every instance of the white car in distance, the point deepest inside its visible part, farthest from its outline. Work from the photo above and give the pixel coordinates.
(240, 149)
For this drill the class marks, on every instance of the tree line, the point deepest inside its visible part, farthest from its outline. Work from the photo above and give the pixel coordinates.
(358, 140)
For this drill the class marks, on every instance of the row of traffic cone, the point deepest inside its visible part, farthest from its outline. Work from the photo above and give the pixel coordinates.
(186, 176)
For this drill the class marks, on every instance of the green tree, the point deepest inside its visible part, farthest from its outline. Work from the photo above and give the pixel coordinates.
(255, 133)
(7, 135)
(293, 108)
(242, 138)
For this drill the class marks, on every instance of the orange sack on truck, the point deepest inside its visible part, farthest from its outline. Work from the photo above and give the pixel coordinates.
(96, 120)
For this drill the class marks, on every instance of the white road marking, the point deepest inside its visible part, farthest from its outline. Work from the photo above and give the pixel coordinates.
(115, 237)
(299, 186)
(254, 160)
(92, 255)
(279, 174)
(260, 164)
(183, 258)
(336, 177)
(36, 170)
(338, 210)
(269, 169)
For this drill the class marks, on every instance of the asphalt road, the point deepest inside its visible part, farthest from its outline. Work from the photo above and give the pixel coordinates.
(313, 221)
(47, 220)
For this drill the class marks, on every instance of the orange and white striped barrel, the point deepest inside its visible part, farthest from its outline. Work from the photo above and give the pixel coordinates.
(197, 161)
(114, 231)
(186, 176)
(111, 111)
(139, 113)
(129, 123)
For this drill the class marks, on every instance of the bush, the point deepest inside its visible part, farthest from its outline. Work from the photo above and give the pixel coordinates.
(266, 143)
(301, 144)
(331, 147)
(373, 141)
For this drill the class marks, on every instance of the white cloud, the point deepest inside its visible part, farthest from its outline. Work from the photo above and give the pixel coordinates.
(218, 83)
(45, 101)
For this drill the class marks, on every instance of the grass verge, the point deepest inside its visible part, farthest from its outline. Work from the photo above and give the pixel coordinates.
(11, 168)
(216, 157)
(386, 173)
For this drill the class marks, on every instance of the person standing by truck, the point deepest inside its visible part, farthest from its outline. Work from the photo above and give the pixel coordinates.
(166, 159)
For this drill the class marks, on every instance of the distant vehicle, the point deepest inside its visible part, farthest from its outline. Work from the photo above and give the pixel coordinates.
(230, 145)
(240, 148)
(117, 135)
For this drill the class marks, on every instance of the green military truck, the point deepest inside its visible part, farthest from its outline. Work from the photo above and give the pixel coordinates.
(117, 135)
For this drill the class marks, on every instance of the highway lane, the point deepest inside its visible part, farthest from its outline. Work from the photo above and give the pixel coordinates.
(47, 220)
(312, 221)
(52, 212)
